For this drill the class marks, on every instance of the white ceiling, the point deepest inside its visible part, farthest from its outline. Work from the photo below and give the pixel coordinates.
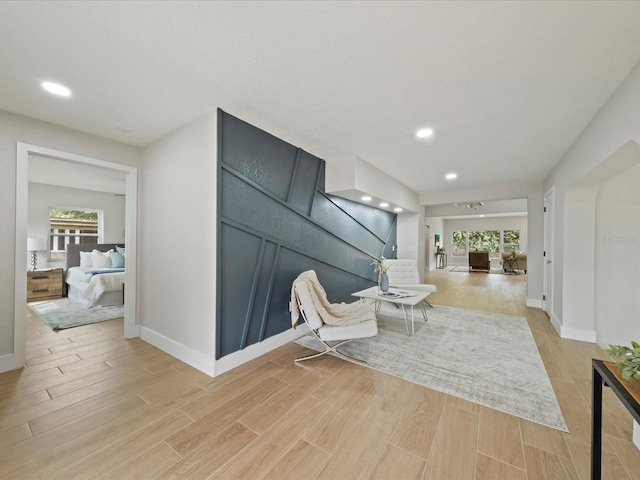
(507, 86)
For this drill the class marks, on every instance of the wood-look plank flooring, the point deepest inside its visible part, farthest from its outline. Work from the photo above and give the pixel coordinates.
(92, 405)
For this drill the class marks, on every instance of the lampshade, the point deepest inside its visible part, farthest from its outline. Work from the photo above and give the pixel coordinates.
(35, 244)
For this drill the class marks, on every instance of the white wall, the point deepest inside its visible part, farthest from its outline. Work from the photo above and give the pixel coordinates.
(486, 223)
(617, 301)
(407, 234)
(436, 227)
(41, 197)
(178, 243)
(16, 128)
(612, 129)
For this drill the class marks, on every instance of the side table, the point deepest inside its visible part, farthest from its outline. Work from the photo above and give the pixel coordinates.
(606, 373)
(44, 284)
(441, 260)
(510, 265)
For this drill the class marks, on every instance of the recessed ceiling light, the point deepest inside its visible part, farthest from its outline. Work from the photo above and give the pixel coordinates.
(384, 204)
(56, 89)
(424, 133)
(366, 198)
(451, 176)
(397, 209)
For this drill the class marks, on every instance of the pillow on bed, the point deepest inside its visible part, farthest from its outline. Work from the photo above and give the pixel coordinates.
(100, 259)
(120, 250)
(117, 260)
(85, 260)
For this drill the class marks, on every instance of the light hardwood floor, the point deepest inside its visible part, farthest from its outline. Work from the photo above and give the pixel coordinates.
(93, 405)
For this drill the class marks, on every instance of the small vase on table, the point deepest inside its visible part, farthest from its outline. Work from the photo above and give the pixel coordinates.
(384, 282)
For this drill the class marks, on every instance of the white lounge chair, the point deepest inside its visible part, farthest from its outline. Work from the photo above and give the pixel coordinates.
(330, 333)
(404, 274)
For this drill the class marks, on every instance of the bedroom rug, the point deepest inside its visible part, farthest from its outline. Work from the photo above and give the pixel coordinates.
(64, 313)
(490, 359)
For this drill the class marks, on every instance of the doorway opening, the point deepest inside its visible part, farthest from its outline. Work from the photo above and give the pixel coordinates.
(22, 193)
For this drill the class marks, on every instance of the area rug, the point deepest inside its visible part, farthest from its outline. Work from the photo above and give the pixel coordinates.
(64, 313)
(489, 359)
(465, 269)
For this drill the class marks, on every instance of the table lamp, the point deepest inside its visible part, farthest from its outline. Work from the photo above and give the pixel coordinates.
(33, 245)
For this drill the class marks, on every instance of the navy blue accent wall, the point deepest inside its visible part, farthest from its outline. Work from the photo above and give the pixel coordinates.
(274, 222)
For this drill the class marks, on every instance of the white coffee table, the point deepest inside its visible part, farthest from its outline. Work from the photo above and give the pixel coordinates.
(407, 298)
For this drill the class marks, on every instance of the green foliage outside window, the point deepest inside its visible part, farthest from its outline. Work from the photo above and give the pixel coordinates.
(73, 214)
(459, 244)
(484, 241)
(511, 240)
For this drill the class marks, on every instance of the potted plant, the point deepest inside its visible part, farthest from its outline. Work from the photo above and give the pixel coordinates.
(629, 364)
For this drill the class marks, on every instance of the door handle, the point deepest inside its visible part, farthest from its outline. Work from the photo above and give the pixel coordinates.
(548, 261)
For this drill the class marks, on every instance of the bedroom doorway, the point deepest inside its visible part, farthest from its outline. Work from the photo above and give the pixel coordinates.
(22, 195)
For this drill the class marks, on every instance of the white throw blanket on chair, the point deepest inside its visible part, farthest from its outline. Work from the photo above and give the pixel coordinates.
(330, 313)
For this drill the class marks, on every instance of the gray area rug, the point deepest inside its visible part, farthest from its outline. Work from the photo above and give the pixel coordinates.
(64, 313)
(465, 269)
(489, 359)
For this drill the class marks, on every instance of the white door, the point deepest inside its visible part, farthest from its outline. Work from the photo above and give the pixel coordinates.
(547, 291)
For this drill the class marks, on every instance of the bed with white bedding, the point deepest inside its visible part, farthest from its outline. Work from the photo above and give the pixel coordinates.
(95, 274)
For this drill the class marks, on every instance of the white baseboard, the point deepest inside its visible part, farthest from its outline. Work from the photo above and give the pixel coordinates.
(534, 302)
(209, 365)
(192, 357)
(236, 359)
(556, 324)
(6, 362)
(578, 334)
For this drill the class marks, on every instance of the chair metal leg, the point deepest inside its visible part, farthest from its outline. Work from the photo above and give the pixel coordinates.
(331, 349)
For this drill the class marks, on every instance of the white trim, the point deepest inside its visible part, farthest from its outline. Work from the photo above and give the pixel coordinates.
(236, 359)
(20, 274)
(534, 302)
(209, 365)
(556, 324)
(6, 363)
(578, 334)
(636, 434)
(548, 275)
(188, 355)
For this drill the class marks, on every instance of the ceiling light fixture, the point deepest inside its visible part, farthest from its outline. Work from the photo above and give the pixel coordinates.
(56, 89)
(473, 205)
(424, 133)
(451, 176)
(397, 209)
(384, 204)
(365, 198)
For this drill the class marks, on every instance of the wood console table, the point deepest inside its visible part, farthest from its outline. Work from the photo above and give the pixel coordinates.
(605, 373)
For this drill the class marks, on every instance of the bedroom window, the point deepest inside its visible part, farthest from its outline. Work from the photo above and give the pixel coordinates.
(72, 226)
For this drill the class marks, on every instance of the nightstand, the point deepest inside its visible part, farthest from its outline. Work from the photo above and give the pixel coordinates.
(44, 284)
